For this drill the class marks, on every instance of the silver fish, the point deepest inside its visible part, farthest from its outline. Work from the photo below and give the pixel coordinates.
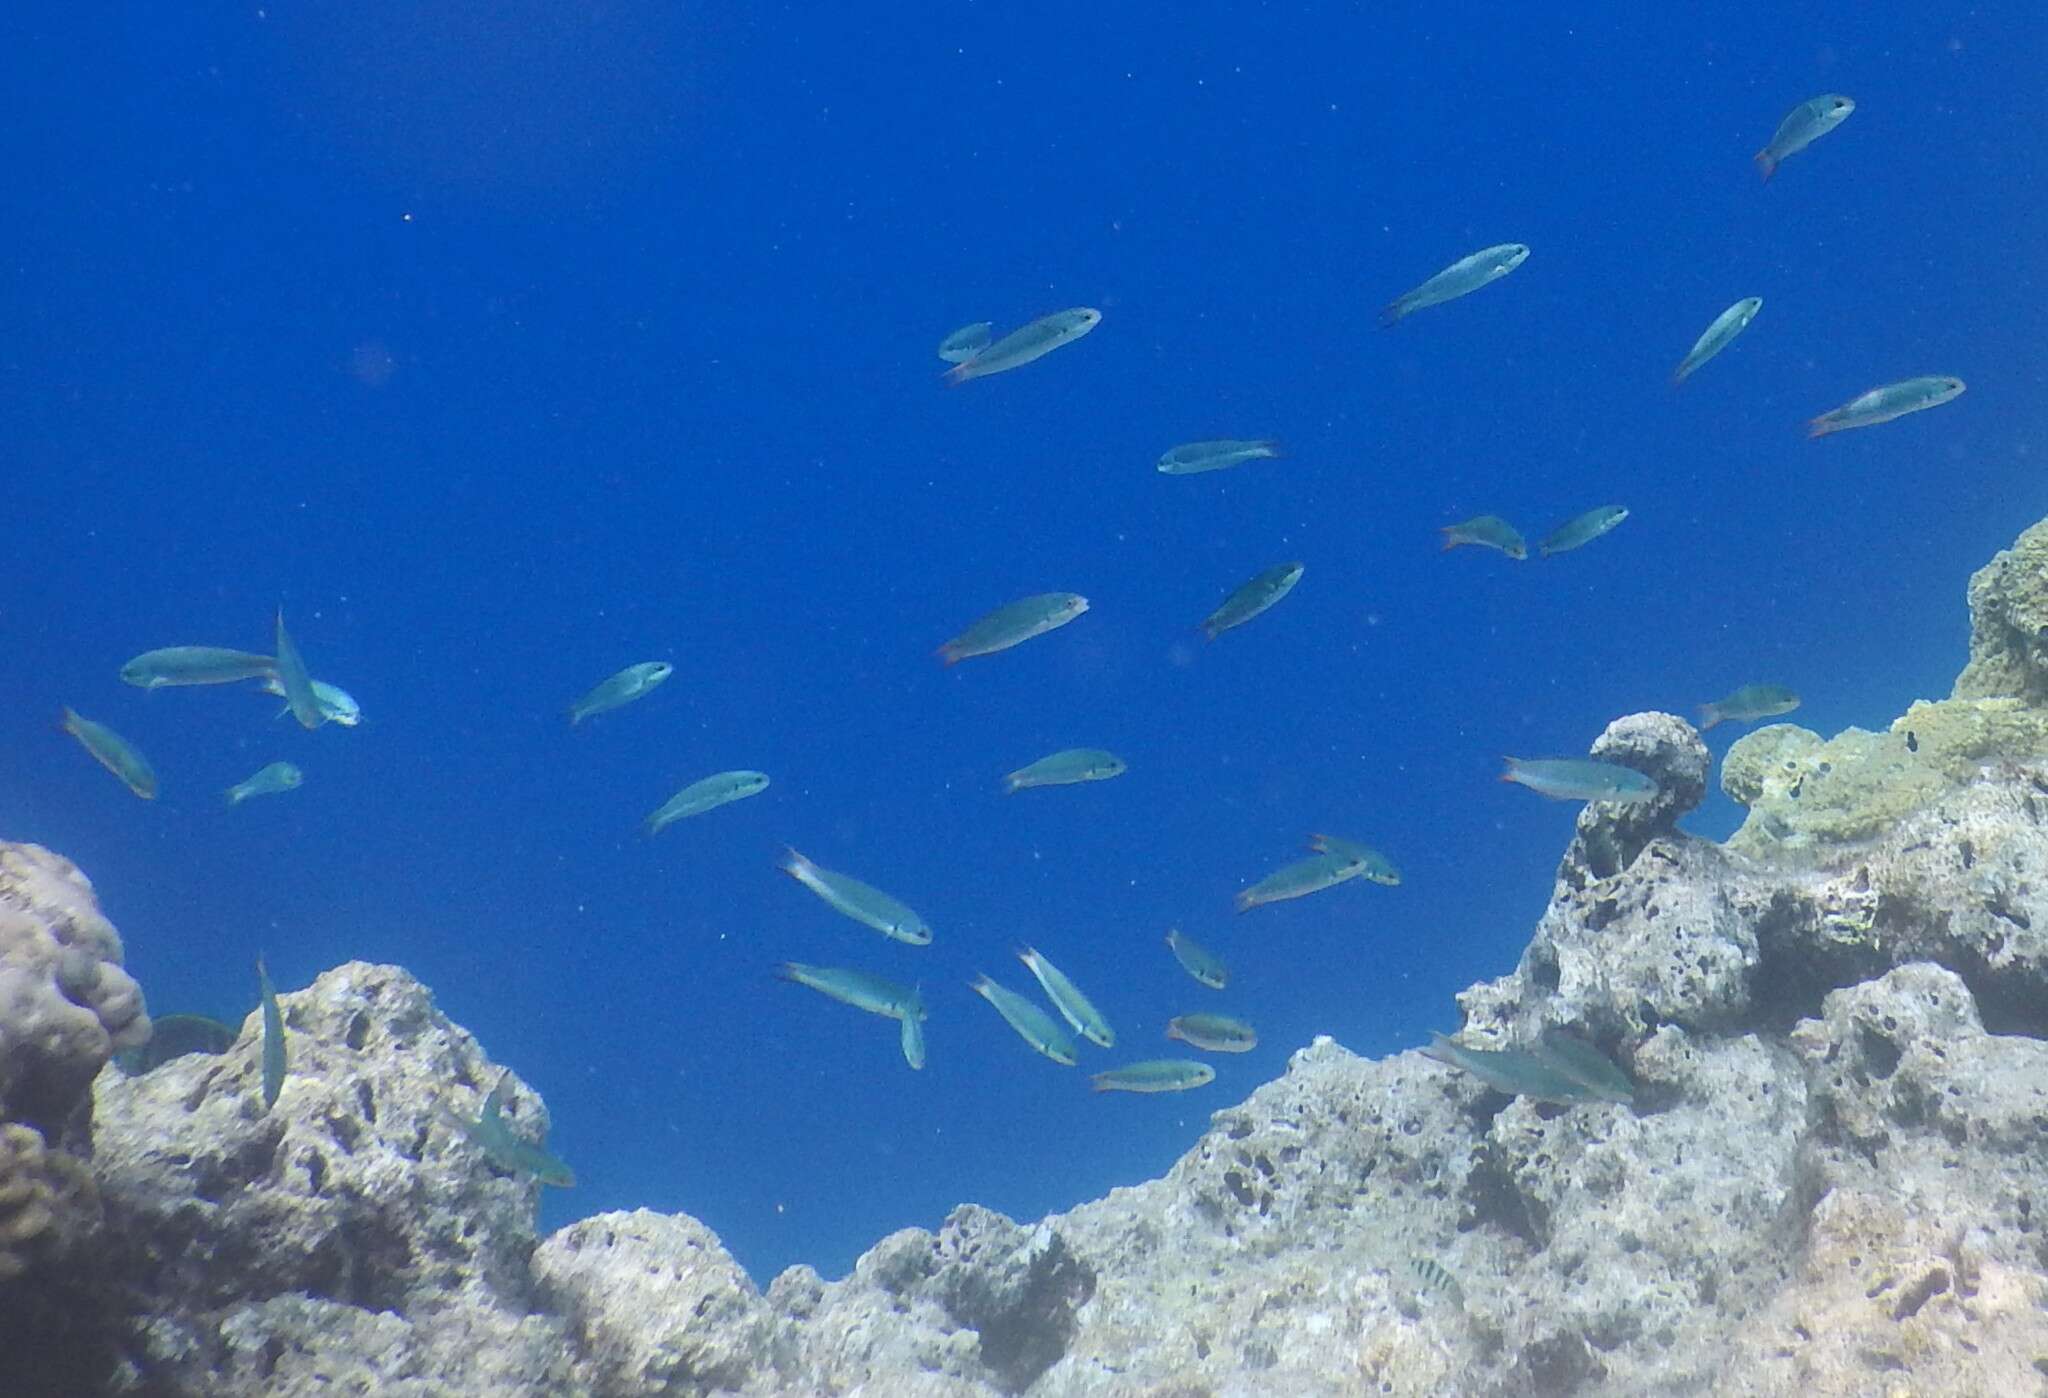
(1194, 458)
(1718, 336)
(336, 704)
(298, 685)
(633, 682)
(113, 752)
(861, 902)
(701, 796)
(1802, 126)
(1488, 531)
(1461, 278)
(269, 781)
(1752, 701)
(859, 989)
(1013, 623)
(1299, 879)
(966, 342)
(1155, 1075)
(1033, 1025)
(1021, 346)
(274, 1056)
(1065, 768)
(1516, 1072)
(1579, 779)
(1216, 1033)
(493, 1135)
(1074, 1007)
(1197, 960)
(1373, 865)
(1585, 1065)
(154, 669)
(1582, 529)
(1252, 598)
(1884, 404)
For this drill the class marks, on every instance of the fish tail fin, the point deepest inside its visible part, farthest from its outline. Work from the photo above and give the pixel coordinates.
(1095, 1084)
(958, 374)
(1678, 375)
(1766, 164)
(1709, 716)
(1821, 426)
(794, 864)
(1271, 445)
(1451, 539)
(1242, 900)
(1210, 631)
(947, 655)
(1391, 313)
(233, 795)
(1508, 773)
(1011, 786)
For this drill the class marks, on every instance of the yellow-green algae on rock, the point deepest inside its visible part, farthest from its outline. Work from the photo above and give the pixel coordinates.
(1803, 790)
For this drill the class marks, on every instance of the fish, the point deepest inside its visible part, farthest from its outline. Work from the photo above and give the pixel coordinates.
(1461, 278)
(493, 1135)
(1299, 879)
(1802, 126)
(113, 752)
(273, 1038)
(1074, 1007)
(1021, 346)
(1012, 623)
(1585, 1065)
(912, 1037)
(633, 682)
(336, 704)
(153, 669)
(1155, 1075)
(701, 796)
(1516, 1072)
(296, 683)
(1488, 531)
(1436, 1278)
(1885, 403)
(1193, 458)
(1197, 960)
(858, 901)
(1579, 779)
(1751, 702)
(966, 342)
(1033, 1025)
(272, 779)
(174, 1036)
(1252, 598)
(859, 989)
(1582, 529)
(1216, 1033)
(1377, 867)
(1718, 336)
(1065, 768)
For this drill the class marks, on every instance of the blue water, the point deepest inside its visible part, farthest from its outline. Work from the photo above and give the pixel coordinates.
(504, 346)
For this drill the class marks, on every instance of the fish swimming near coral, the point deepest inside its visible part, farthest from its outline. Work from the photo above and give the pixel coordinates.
(1749, 703)
(1517, 1072)
(174, 1036)
(1579, 779)
(1155, 1075)
(493, 1135)
(275, 1055)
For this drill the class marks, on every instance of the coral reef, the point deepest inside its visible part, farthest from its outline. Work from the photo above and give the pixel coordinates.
(1837, 1025)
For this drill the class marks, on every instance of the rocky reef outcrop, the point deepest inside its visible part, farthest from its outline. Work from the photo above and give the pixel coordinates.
(1831, 1179)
